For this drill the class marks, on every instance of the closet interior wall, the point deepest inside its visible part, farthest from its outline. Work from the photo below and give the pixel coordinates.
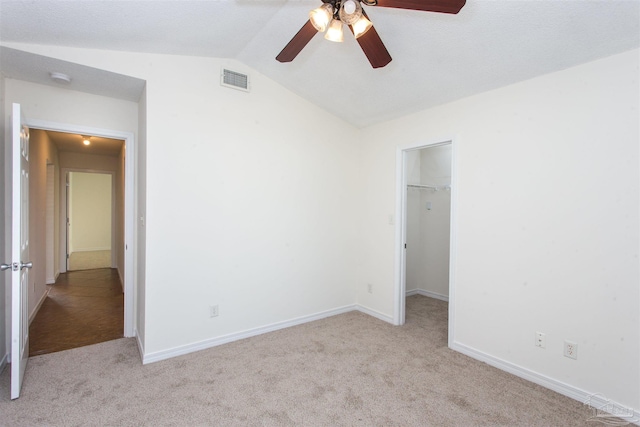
(428, 221)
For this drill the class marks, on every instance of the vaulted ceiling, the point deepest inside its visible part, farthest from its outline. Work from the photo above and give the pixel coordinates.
(437, 58)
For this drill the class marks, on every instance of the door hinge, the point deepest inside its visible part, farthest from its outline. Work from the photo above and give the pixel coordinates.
(405, 246)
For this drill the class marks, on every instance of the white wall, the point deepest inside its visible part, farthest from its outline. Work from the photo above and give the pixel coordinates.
(119, 215)
(258, 210)
(41, 152)
(414, 246)
(4, 276)
(141, 214)
(547, 221)
(90, 211)
(52, 228)
(92, 162)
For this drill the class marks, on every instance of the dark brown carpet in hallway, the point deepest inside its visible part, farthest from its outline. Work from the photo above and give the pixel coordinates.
(82, 308)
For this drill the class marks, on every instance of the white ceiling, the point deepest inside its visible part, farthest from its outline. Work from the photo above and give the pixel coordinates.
(437, 58)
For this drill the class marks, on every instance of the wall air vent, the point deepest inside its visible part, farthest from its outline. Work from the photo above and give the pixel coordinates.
(234, 80)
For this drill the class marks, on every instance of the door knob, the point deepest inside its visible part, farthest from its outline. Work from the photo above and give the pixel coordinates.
(26, 264)
(4, 267)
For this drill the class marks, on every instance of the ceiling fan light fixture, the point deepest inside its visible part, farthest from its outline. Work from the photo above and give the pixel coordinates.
(321, 17)
(361, 26)
(349, 6)
(350, 12)
(334, 32)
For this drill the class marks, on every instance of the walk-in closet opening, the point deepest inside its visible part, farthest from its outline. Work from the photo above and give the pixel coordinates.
(427, 185)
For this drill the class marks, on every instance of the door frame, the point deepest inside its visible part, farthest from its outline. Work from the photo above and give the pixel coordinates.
(400, 285)
(129, 204)
(50, 267)
(63, 221)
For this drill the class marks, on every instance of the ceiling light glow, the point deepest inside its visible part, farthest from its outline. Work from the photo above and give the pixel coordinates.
(334, 33)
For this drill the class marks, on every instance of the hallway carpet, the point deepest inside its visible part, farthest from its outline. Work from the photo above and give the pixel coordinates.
(347, 370)
(82, 308)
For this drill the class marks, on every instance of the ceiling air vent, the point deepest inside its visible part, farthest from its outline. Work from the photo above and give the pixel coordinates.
(234, 80)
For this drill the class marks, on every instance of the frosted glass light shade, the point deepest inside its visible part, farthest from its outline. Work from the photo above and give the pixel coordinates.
(321, 17)
(361, 26)
(349, 6)
(350, 12)
(334, 33)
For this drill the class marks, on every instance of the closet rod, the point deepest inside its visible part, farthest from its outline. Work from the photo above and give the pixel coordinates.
(430, 187)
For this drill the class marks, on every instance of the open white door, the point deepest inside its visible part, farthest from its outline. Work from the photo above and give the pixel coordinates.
(19, 252)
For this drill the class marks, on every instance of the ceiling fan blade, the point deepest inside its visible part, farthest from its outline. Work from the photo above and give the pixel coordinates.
(372, 46)
(443, 6)
(297, 43)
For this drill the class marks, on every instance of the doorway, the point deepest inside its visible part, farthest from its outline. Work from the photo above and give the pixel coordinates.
(425, 207)
(91, 221)
(125, 210)
(84, 306)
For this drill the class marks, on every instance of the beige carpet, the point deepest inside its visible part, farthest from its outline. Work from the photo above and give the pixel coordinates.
(347, 370)
(89, 260)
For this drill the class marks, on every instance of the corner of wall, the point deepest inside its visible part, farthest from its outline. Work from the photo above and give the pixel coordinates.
(4, 343)
(140, 237)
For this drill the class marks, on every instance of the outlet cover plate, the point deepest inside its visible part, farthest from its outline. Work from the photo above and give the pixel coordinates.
(571, 350)
(540, 340)
(213, 311)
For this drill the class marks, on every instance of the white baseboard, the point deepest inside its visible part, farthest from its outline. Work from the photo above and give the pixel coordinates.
(140, 346)
(428, 294)
(4, 362)
(52, 280)
(374, 313)
(37, 307)
(121, 279)
(593, 400)
(91, 249)
(213, 342)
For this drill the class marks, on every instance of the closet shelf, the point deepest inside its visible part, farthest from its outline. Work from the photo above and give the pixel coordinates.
(430, 187)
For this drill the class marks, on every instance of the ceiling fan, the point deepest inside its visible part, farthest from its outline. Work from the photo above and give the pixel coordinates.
(334, 13)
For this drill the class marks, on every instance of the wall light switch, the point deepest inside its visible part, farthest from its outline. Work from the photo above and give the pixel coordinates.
(429, 206)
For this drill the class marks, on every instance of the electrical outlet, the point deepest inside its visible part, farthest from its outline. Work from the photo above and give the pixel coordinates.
(541, 340)
(570, 349)
(369, 288)
(213, 311)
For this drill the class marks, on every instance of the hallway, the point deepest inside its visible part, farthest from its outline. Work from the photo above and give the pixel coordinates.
(82, 308)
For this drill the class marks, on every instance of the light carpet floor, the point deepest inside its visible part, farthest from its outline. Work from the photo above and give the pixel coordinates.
(89, 260)
(346, 370)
